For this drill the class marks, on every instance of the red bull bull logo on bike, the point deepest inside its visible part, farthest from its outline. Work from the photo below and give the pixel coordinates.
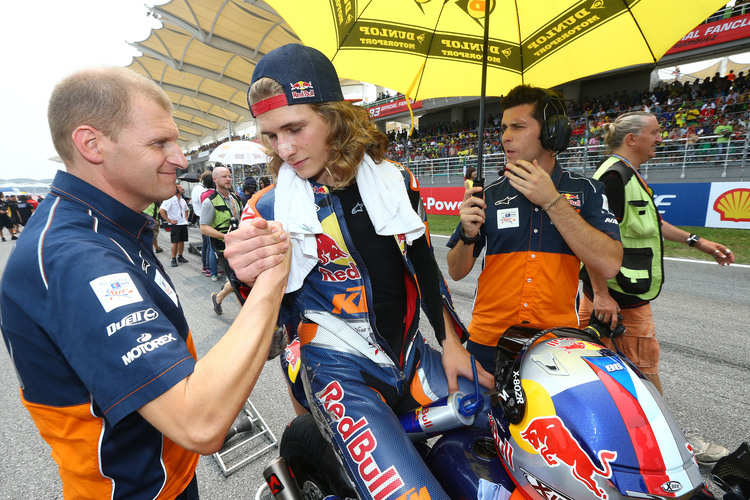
(359, 444)
(555, 443)
(570, 344)
(302, 89)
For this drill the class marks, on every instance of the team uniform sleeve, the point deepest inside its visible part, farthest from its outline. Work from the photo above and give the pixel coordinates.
(597, 212)
(478, 246)
(119, 337)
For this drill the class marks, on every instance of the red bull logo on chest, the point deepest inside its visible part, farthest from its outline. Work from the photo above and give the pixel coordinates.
(328, 250)
(573, 199)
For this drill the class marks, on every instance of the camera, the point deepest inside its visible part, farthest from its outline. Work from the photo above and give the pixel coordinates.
(601, 328)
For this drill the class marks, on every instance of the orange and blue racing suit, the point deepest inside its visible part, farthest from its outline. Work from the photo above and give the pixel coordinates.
(358, 379)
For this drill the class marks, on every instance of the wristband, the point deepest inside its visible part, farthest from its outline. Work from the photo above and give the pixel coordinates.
(553, 202)
(692, 239)
(469, 241)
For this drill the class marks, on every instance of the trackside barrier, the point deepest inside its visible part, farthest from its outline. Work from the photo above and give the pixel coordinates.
(698, 159)
(707, 204)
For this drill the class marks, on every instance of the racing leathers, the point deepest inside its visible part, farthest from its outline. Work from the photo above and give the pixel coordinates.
(358, 378)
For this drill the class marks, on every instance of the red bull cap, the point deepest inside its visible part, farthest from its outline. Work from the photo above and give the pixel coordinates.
(305, 74)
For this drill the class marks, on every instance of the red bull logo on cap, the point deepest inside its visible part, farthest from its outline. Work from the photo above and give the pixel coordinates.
(555, 443)
(302, 89)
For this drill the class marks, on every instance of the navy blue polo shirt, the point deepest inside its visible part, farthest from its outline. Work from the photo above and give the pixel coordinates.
(95, 330)
(529, 273)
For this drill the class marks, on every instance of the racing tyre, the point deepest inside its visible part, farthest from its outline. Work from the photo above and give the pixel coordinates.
(313, 461)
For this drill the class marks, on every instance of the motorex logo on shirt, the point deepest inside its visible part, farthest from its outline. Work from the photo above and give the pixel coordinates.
(146, 345)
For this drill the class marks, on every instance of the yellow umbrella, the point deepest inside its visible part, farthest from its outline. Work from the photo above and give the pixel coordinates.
(434, 48)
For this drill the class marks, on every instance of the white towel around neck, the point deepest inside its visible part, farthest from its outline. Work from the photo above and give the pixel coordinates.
(383, 193)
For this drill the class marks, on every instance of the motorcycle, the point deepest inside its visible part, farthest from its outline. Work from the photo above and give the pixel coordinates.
(571, 419)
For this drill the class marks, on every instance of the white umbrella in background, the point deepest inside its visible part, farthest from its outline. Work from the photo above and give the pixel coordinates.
(238, 153)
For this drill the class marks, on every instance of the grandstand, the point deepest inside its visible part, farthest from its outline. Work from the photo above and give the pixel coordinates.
(444, 140)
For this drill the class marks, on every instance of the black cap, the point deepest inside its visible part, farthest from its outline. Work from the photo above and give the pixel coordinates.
(305, 74)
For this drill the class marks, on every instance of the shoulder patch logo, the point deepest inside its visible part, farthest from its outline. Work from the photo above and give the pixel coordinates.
(162, 282)
(115, 290)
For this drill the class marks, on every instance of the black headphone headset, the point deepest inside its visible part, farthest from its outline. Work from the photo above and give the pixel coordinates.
(556, 127)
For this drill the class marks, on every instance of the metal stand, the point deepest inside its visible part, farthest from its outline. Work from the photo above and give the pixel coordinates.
(245, 447)
(195, 248)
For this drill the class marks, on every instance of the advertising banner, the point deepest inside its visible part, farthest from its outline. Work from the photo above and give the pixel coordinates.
(682, 204)
(717, 204)
(442, 200)
(726, 30)
(393, 107)
(729, 205)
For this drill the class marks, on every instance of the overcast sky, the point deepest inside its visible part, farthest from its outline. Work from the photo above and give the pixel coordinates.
(44, 41)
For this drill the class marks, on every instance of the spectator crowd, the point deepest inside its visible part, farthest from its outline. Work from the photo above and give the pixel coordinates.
(687, 109)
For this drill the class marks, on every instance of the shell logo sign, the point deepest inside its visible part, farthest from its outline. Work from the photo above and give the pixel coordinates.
(734, 205)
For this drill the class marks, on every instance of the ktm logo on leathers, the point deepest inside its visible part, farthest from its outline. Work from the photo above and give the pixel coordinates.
(422, 494)
(351, 302)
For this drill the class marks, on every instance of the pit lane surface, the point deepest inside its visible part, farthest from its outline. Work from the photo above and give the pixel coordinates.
(701, 319)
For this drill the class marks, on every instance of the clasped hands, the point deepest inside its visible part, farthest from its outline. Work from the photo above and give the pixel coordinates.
(256, 246)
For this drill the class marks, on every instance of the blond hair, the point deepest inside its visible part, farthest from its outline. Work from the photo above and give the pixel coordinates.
(627, 123)
(100, 98)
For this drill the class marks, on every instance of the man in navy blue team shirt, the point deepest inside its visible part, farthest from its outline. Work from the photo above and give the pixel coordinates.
(94, 327)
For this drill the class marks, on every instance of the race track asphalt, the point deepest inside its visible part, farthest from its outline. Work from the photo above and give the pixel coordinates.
(702, 323)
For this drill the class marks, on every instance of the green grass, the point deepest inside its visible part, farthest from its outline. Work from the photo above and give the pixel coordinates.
(738, 240)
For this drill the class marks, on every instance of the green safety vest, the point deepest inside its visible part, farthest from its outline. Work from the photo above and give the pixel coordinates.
(152, 211)
(222, 216)
(641, 273)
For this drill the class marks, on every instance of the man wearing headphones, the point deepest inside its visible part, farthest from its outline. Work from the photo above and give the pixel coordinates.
(537, 222)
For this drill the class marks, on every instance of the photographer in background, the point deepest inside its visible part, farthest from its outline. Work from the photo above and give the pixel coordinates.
(219, 212)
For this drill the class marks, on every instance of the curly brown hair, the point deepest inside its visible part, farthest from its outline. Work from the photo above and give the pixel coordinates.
(351, 134)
